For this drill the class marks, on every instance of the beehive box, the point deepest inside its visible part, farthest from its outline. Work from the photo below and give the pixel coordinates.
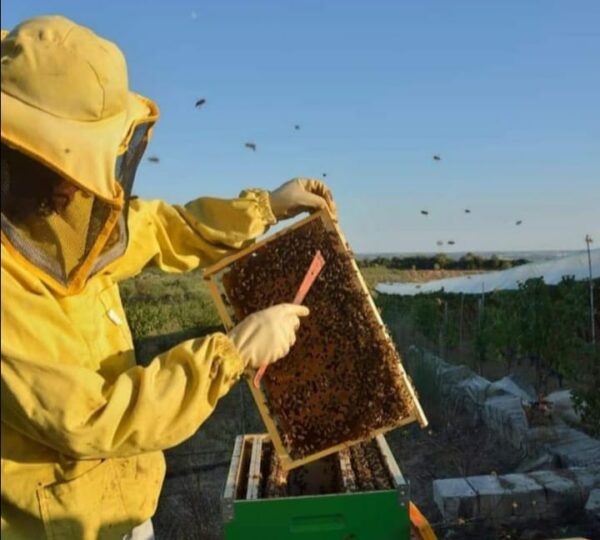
(355, 493)
(342, 382)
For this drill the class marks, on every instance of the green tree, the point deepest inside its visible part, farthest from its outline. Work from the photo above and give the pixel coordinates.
(536, 314)
(587, 396)
(505, 326)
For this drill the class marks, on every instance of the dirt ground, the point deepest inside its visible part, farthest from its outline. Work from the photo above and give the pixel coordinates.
(447, 448)
(190, 504)
(451, 446)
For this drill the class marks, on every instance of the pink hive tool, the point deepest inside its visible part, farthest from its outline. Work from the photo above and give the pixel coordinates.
(313, 271)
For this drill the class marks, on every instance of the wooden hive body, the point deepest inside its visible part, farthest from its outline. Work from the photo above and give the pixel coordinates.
(336, 497)
(342, 382)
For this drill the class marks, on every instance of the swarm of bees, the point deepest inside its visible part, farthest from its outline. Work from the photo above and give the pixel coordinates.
(367, 472)
(276, 482)
(368, 468)
(341, 381)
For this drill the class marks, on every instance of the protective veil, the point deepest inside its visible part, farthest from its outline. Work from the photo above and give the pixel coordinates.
(61, 79)
(82, 426)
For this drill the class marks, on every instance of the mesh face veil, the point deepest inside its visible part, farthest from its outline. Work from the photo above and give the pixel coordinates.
(64, 231)
(69, 157)
(125, 170)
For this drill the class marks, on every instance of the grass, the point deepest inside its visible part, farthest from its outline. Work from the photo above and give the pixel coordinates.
(157, 303)
(160, 304)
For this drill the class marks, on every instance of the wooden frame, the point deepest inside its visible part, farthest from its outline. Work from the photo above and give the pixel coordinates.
(244, 483)
(211, 275)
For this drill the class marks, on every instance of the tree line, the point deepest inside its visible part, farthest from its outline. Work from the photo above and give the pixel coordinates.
(441, 261)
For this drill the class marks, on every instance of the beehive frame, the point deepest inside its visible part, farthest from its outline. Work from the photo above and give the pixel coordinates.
(250, 448)
(320, 509)
(211, 275)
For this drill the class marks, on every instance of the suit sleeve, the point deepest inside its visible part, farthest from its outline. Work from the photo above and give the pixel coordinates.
(181, 238)
(77, 412)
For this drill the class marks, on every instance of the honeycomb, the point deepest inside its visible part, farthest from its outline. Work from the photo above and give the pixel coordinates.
(341, 381)
(323, 477)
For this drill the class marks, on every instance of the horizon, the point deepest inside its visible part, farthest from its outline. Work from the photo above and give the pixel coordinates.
(530, 255)
(505, 94)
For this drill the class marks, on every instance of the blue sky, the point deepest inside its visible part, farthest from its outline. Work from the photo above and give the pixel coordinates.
(505, 91)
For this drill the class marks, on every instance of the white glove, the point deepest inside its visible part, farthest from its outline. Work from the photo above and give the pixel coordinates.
(266, 336)
(300, 195)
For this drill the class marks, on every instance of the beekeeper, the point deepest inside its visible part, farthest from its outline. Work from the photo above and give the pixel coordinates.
(83, 427)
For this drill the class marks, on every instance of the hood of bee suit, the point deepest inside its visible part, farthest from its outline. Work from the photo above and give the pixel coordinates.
(66, 107)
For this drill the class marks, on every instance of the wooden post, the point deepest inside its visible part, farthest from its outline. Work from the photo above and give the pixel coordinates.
(445, 330)
(481, 313)
(588, 241)
(460, 324)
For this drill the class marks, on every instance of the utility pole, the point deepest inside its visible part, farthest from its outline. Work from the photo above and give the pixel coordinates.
(460, 324)
(588, 241)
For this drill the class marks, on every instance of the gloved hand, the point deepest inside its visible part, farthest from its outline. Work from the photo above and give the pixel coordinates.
(266, 336)
(300, 195)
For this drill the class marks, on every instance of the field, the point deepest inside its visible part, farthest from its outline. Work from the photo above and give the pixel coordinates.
(165, 309)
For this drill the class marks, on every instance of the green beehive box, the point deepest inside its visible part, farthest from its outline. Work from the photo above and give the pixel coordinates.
(323, 500)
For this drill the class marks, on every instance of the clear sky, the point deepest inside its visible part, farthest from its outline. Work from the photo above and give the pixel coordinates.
(506, 92)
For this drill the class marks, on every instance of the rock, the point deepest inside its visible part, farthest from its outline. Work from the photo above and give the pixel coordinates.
(455, 498)
(423, 369)
(575, 448)
(450, 376)
(544, 462)
(528, 498)
(564, 494)
(563, 407)
(592, 508)
(469, 394)
(511, 495)
(493, 500)
(474, 388)
(588, 478)
(572, 447)
(514, 386)
(505, 416)
(549, 495)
